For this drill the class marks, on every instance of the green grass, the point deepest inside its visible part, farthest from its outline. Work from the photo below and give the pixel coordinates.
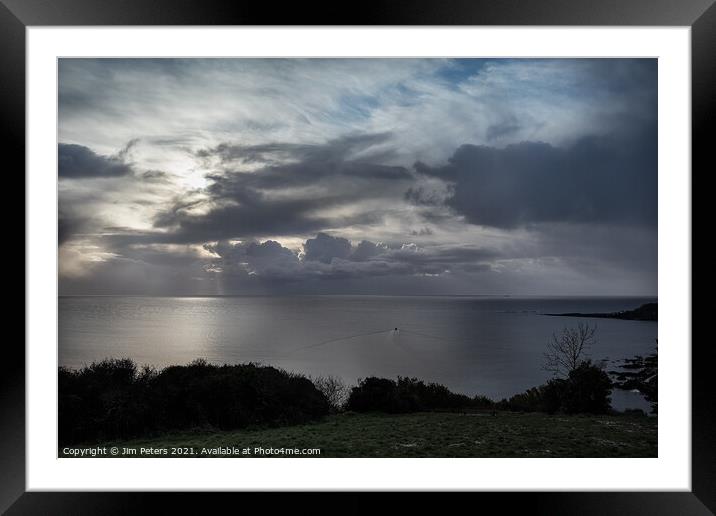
(430, 435)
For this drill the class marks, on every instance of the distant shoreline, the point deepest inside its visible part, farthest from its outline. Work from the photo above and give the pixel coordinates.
(646, 312)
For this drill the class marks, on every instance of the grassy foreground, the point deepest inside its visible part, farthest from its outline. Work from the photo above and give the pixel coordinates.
(424, 434)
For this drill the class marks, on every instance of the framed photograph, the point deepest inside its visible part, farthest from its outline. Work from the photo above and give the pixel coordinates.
(417, 248)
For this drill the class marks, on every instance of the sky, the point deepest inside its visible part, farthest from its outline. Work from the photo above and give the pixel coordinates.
(357, 176)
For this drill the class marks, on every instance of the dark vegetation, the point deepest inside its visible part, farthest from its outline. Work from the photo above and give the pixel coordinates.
(334, 389)
(646, 312)
(114, 399)
(586, 390)
(578, 385)
(409, 395)
(642, 374)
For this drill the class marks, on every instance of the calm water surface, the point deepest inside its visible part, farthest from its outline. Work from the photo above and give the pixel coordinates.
(483, 345)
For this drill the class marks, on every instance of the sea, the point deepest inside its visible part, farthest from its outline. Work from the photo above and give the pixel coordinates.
(476, 345)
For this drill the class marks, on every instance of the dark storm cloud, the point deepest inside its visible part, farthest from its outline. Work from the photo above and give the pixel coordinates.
(289, 165)
(266, 259)
(256, 215)
(78, 161)
(594, 180)
(365, 250)
(325, 248)
(331, 257)
(424, 196)
(273, 200)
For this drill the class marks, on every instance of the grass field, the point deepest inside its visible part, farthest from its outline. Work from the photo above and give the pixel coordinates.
(426, 434)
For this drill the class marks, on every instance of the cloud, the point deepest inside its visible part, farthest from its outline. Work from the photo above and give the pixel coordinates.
(284, 165)
(503, 128)
(595, 180)
(424, 231)
(155, 176)
(297, 189)
(325, 248)
(365, 250)
(78, 161)
(327, 257)
(254, 214)
(275, 172)
(594, 260)
(269, 258)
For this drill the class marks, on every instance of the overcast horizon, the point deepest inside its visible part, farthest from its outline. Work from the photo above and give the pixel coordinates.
(358, 176)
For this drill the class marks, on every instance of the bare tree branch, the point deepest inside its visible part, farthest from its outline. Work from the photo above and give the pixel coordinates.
(334, 389)
(566, 351)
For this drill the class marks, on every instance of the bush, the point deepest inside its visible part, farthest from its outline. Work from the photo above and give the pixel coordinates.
(112, 399)
(482, 402)
(529, 401)
(586, 390)
(334, 389)
(552, 394)
(105, 398)
(408, 395)
(374, 394)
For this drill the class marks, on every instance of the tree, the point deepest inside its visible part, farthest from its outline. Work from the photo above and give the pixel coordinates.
(587, 390)
(568, 350)
(334, 389)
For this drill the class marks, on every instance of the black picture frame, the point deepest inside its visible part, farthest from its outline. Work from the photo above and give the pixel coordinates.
(17, 15)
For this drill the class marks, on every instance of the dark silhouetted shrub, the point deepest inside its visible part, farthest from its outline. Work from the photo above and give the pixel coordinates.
(552, 394)
(408, 395)
(586, 390)
(112, 399)
(528, 401)
(374, 394)
(482, 402)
